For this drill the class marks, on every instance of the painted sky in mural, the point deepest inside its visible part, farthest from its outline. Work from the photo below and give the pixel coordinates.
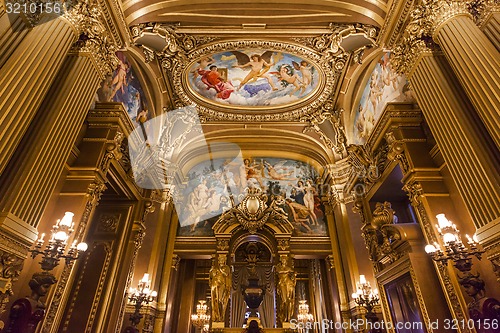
(253, 78)
(123, 86)
(384, 86)
(207, 188)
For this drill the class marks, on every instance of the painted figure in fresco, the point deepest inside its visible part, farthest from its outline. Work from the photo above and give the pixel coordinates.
(286, 289)
(220, 287)
(253, 172)
(306, 71)
(298, 192)
(120, 79)
(300, 214)
(482, 309)
(274, 174)
(310, 191)
(287, 76)
(203, 64)
(213, 79)
(259, 65)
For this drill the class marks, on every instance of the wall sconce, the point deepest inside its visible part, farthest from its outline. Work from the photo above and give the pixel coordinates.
(303, 315)
(139, 296)
(41, 282)
(200, 319)
(454, 250)
(366, 297)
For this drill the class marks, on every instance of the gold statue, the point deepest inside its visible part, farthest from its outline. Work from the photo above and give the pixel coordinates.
(220, 285)
(286, 289)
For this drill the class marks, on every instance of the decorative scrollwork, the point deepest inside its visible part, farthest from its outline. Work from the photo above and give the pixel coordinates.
(367, 166)
(253, 213)
(331, 122)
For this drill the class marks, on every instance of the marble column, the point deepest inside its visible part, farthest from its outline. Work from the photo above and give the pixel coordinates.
(466, 148)
(25, 79)
(34, 170)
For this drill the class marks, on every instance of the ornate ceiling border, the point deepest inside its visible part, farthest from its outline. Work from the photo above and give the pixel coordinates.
(180, 50)
(331, 68)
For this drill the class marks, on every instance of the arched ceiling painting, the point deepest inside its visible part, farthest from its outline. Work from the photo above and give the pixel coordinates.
(210, 184)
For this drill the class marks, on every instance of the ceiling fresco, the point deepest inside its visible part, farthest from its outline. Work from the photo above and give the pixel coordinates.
(211, 184)
(253, 78)
(384, 86)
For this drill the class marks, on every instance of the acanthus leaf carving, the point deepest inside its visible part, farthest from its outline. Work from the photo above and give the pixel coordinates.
(328, 120)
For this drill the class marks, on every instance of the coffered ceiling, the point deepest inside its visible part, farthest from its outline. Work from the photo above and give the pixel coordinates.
(263, 13)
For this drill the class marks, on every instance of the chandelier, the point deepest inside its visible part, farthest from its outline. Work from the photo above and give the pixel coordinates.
(304, 316)
(141, 295)
(56, 246)
(365, 296)
(454, 248)
(200, 319)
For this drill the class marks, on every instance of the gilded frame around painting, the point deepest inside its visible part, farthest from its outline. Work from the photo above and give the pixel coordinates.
(328, 68)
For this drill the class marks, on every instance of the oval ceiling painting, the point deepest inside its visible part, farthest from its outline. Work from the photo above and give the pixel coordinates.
(253, 79)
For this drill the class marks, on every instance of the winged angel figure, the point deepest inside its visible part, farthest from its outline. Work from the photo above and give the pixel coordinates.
(259, 66)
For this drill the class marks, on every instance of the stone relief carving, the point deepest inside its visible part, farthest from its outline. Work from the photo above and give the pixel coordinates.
(108, 223)
(367, 166)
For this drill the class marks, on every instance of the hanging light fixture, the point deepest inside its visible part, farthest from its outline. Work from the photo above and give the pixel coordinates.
(200, 319)
(304, 316)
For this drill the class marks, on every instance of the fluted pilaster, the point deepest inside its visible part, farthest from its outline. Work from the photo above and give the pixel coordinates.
(476, 62)
(35, 168)
(25, 79)
(459, 135)
(12, 31)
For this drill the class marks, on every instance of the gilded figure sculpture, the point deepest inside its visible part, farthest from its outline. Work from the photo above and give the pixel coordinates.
(286, 289)
(220, 286)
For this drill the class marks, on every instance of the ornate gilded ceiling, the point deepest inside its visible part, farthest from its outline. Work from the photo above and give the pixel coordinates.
(272, 14)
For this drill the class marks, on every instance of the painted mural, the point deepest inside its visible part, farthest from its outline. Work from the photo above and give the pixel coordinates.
(383, 86)
(123, 86)
(212, 184)
(253, 78)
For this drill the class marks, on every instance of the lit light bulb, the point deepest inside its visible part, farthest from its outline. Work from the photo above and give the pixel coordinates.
(362, 279)
(154, 294)
(67, 220)
(443, 221)
(354, 295)
(429, 248)
(145, 278)
(449, 238)
(82, 247)
(60, 236)
(475, 239)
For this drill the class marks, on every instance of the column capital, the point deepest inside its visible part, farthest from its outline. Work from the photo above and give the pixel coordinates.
(482, 9)
(435, 13)
(94, 40)
(411, 48)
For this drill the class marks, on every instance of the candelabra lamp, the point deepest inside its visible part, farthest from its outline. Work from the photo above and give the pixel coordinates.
(201, 318)
(139, 296)
(367, 298)
(454, 248)
(304, 316)
(26, 313)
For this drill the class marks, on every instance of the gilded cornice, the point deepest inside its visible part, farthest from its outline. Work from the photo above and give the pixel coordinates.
(110, 7)
(395, 22)
(333, 122)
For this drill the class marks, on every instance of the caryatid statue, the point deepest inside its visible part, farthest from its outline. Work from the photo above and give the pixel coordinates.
(220, 286)
(286, 289)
